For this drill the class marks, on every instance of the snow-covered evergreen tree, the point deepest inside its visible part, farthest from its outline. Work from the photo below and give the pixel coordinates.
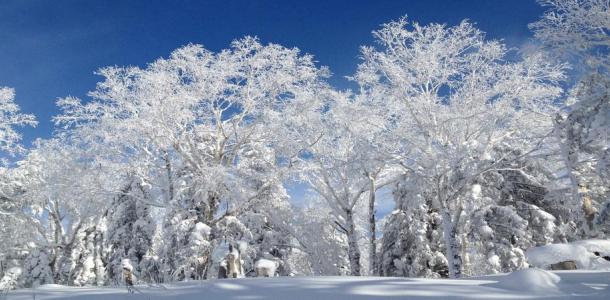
(412, 236)
(36, 269)
(129, 230)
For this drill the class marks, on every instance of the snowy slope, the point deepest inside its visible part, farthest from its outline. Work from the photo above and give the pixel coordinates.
(526, 284)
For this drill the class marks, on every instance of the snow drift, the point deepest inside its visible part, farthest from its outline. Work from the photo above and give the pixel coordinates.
(533, 280)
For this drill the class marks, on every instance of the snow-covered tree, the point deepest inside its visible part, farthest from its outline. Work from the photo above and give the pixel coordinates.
(61, 198)
(456, 98)
(88, 255)
(16, 230)
(412, 237)
(346, 163)
(187, 126)
(10, 117)
(509, 211)
(129, 230)
(579, 30)
(268, 217)
(37, 269)
(172, 164)
(324, 241)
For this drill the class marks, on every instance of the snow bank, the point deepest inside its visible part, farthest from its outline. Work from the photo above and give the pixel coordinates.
(545, 256)
(532, 279)
(581, 252)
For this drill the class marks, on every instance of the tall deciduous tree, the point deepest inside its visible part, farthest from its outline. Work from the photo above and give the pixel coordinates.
(456, 99)
(184, 126)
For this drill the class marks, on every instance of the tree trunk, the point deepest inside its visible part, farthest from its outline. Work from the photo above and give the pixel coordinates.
(566, 154)
(57, 240)
(352, 244)
(170, 179)
(373, 238)
(454, 259)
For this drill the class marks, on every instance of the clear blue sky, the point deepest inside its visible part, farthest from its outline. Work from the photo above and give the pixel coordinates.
(50, 49)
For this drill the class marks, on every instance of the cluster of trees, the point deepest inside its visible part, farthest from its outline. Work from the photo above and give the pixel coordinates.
(487, 152)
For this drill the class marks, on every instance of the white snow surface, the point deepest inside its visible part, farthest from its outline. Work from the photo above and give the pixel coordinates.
(526, 284)
(581, 252)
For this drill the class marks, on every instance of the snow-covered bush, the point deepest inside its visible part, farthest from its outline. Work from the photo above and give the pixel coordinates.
(11, 279)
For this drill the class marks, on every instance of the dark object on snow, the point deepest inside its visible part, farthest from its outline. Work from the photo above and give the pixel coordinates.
(128, 276)
(607, 257)
(222, 271)
(231, 265)
(564, 265)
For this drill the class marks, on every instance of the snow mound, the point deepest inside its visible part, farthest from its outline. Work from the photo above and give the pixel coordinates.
(126, 264)
(581, 252)
(201, 232)
(265, 263)
(265, 267)
(532, 279)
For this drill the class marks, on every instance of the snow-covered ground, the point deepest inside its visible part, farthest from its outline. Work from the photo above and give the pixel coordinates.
(525, 284)
(586, 254)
